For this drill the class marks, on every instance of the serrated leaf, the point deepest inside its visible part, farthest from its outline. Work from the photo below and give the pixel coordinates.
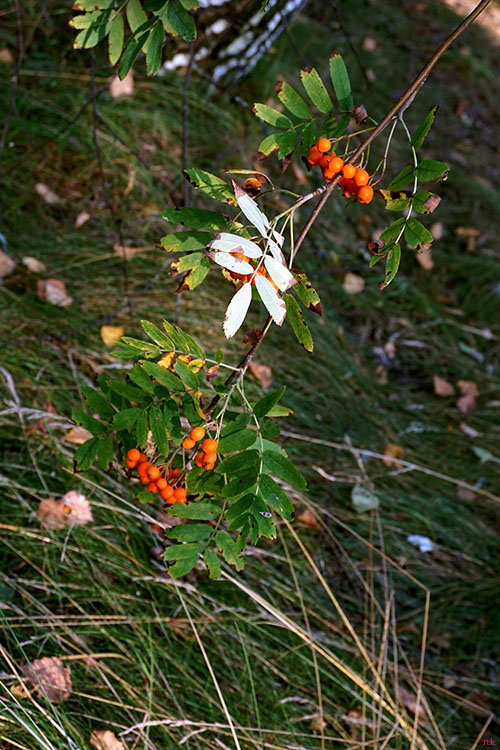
(237, 441)
(273, 303)
(292, 100)
(403, 178)
(279, 273)
(273, 495)
(299, 326)
(424, 127)
(237, 310)
(126, 419)
(177, 21)
(159, 429)
(213, 563)
(133, 47)
(182, 341)
(226, 260)
(188, 377)
(278, 411)
(184, 242)
(392, 263)
(340, 80)
(144, 347)
(194, 511)
(240, 507)
(130, 392)
(163, 376)
(416, 234)
(395, 200)
(157, 335)
(306, 293)
(286, 144)
(392, 231)
(268, 145)
(424, 202)
(182, 567)
(316, 90)
(231, 243)
(153, 54)
(284, 469)
(239, 484)
(87, 421)
(183, 551)
(230, 549)
(193, 532)
(136, 16)
(308, 136)
(430, 170)
(240, 462)
(105, 452)
(138, 376)
(272, 116)
(86, 453)
(97, 402)
(142, 429)
(95, 33)
(197, 218)
(334, 127)
(196, 274)
(266, 403)
(115, 39)
(251, 210)
(211, 185)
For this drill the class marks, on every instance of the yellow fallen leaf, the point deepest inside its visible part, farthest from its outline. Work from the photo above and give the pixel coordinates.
(111, 335)
(81, 219)
(34, 265)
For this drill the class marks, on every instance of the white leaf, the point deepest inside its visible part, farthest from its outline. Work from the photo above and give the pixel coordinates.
(231, 243)
(422, 542)
(226, 260)
(237, 310)
(251, 210)
(276, 251)
(275, 306)
(279, 273)
(278, 237)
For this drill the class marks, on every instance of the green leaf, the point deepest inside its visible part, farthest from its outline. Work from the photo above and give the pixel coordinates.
(272, 116)
(86, 453)
(97, 402)
(138, 376)
(188, 377)
(142, 429)
(237, 441)
(133, 47)
(284, 469)
(177, 21)
(198, 218)
(159, 429)
(292, 100)
(308, 136)
(274, 496)
(211, 185)
(306, 293)
(184, 242)
(424, 127)
(183, 551)
(182, 567)
(392, 231)
(157, 335)
(241, 462)
(403, 178)
(153, 54)
(278, 411)
(115, 39)
(430, 170)
(395, 200)
(333, 127)
(341, 83)
(265, 404)
(126, 419)
(299, 326)
(230, 549)
(213, 563)
(135, 15)
(87, 421)
(182, 341)
(268, 145)
(392, 263)
(424, 202)
(87, 20)
(193, 532)
(240, 507)
(95, 33)
(316, 90)
(105, 452)
(286, 143)
(416, 234)
(241, 483)
(130, 392)
(194, 511)
(145, 347)
(196, 274)
(163, 376)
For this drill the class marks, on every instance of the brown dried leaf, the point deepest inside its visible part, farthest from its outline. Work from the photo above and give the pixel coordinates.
(360, 114)
(469, 392)
(353, 283)
(392, 453)
(105, 739)
(34, 265)
(212, 373)
(125, 251)
(111, 335)
(7, 264)
(77, 435)
(409, 700)
(317, 723)
(81, 219)
(262, 373)
(54, 291)
(308, 518)
(119, 89)
(442, 387)
(47, 194)
(50, 676)
(51, 514)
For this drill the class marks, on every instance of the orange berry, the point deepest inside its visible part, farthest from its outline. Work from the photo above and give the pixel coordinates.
(152, 487)
(325, 161)
(161, 483)
(130, 464)
(174, 473)
(167, 492)
(145, 479)
(328, 175)
(197, 434)
(154, 473)
(209, 445)
(143, 459)
(336, 165)
(210, 457)
(349, 170)
(134, 455)
(209, 467)
(143, 468)
(323, 145)
(199, 459)
(361, 177)
(315, 156)
(180, 495)
(188, 443)
(365, 194)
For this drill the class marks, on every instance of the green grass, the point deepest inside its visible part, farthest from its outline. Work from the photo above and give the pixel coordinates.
(101, 598)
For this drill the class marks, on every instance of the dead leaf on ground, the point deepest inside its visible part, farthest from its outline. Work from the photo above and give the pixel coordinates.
(308, 518)
(424, 258)
(105, 739)
(20, 691)
(77, 435)
(262, 373)
(47, 194)
(369, 44)
(353, 283)
(119, 89)
(72, 509)
(7, 264)
(392, 453)
(6, 56)
(51, 514)
(54, 291)
(442, 387)
(77, 508)
(317, 723)
(363, 499)
(125, 251)
(111, 335)
(81, 219)
(34, 265)
(468, 430)
(51, 677)
(409, 700)
(469, 392)
(470, 234)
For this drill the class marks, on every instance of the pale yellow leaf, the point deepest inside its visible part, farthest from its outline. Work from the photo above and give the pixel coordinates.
(111, 335)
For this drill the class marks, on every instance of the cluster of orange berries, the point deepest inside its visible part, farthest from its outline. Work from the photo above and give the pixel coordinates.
(169, 489)
(354, 180)
(207, 457)
(247, 277)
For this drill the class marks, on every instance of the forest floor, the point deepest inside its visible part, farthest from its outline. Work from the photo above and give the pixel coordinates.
(279, 636)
